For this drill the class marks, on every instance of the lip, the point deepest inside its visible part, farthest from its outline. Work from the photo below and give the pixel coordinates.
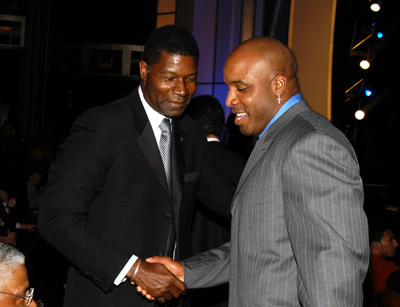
(240, 116)
(176, 104)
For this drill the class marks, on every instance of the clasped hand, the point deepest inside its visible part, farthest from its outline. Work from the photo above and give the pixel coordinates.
(158, 278)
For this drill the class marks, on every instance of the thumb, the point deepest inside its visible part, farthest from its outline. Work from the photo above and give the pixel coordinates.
(175, 267)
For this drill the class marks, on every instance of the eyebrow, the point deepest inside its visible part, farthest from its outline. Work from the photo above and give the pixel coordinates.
(237, 82)
(175, 73)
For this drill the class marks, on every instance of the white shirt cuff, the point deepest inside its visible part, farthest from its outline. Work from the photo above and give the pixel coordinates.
(121, 276)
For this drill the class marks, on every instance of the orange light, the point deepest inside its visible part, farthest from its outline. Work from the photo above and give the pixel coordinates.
(3, 28)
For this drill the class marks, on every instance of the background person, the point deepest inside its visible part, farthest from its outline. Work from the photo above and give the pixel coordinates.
(14, 283)
(383, 251)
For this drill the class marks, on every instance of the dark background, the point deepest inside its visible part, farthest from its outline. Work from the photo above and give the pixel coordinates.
(376, 138)
(45, 90)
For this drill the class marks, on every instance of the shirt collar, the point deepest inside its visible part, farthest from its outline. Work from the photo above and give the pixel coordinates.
(213, 140)
(286, 106)
(154, 117)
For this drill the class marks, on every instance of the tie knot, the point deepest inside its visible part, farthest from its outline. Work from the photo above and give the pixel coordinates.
(165, 125)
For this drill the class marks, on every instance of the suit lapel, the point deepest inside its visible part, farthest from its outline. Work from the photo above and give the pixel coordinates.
(266, 140)
(146, 140)
(256, 154)
(151, 153)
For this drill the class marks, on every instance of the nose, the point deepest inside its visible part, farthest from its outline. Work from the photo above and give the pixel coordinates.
(231, 99)
(180, 88)
(395, 244)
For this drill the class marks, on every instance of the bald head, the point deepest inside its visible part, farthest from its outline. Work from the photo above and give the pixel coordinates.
(274, 55)
(261, 74)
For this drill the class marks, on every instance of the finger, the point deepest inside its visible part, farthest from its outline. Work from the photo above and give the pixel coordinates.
(168, 296)
(180, 286)
(149, 297)
(175, 292)
(154, 259)
(161, 299)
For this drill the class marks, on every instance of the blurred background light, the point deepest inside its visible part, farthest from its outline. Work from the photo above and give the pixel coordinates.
(368, 93)
(360, 114)
(364, 64)
(375, 7)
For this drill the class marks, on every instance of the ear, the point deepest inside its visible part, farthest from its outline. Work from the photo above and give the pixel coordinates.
(279, 84)
(144, 70)
(375, 246)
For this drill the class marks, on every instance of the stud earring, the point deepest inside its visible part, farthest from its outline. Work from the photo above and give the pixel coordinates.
(279, 99)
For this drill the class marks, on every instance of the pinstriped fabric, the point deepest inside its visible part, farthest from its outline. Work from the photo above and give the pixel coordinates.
(299, 233)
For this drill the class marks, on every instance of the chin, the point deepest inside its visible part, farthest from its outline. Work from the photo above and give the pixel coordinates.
(174, 113)
(243, 131)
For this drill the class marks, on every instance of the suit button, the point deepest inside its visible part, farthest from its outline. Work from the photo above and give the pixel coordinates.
(167, 215)
(160, 253)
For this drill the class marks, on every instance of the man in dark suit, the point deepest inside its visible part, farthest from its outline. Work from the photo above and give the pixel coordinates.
(109, 204)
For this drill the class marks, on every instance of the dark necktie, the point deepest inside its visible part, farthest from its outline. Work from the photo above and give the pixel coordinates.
(165, 150)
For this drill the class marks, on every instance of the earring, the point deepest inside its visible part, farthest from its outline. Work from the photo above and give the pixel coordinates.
(279, 99)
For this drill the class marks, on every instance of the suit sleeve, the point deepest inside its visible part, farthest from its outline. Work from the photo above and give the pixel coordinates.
(76, 178)
(208, 269)
(327, 227)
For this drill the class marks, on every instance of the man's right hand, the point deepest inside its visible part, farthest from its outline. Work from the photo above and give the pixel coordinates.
(174, 266)
(156, 280)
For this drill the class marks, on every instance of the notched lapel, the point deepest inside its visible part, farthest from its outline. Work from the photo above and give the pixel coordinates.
(259, 150)
(266, 140)
(148, 145)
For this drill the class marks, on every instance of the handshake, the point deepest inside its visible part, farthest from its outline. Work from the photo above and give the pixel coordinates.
(158, 278)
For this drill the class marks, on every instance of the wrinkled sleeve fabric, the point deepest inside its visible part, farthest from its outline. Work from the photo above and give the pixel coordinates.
(208, 269)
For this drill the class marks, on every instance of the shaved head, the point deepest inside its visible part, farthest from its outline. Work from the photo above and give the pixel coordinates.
(270, 52)
(261, 74)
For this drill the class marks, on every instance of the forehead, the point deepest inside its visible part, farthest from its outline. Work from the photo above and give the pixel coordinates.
(245, 68)
(387, 234)
(173, 62)
(19, 280)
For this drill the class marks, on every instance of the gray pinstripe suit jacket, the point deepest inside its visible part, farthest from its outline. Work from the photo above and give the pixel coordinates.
(299, 232)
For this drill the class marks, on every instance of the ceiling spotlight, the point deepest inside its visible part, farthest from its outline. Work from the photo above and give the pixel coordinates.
(375, 7)
(360, 114)
(368, 93)
(364, 64)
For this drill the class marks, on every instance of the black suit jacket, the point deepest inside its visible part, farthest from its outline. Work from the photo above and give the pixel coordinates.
(107, 198)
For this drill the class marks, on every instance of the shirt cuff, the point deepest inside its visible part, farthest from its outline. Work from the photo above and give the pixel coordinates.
(121, 276)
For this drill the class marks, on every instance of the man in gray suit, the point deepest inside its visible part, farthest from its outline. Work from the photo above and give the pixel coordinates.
(299, 233)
